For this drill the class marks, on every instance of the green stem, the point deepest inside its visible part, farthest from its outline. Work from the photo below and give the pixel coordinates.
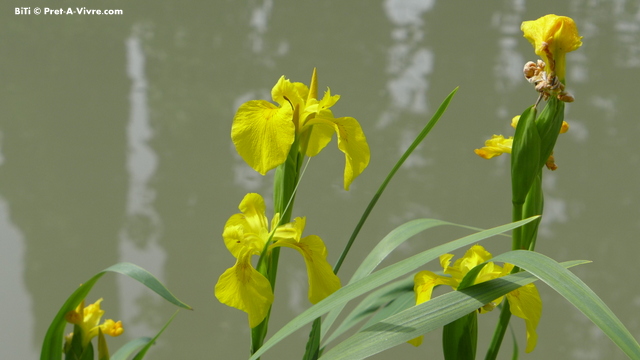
(516, 235)
(285, 181)
(498, 334)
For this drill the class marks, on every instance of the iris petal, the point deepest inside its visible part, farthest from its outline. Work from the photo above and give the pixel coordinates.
(351, 141)
(263, 134)
(244, 288)
(525, 303)
(322, 281)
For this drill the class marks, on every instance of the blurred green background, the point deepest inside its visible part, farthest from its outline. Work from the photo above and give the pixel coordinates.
(115, 146)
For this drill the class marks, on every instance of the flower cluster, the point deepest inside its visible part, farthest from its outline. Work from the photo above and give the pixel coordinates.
(264, 133)
(524, 302)
(499, 145)
(88, 320)
(552, 37)
(247, 234)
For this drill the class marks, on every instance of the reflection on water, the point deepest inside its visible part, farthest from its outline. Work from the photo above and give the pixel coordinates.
(18, 319)
(142, 229)
(409, 62)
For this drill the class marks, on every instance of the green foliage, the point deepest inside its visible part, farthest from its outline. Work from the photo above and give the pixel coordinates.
(52, 344)
(379, 278)
(460, 338)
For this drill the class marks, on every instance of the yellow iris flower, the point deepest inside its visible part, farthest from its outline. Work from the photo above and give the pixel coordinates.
(552, 37)
(88, 319)
(495, 146)
(246, 234)
(263, 133)
(524, 302)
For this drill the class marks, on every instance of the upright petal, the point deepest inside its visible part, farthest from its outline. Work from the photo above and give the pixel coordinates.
(286, 92)
(263, 134)
(525, 303)
(476, 255)
(244, 288)
(247, 231)
(254, 211)
(322, 281)
(290, 231)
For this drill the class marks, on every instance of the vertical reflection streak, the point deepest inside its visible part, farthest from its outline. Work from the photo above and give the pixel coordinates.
(19, 321)
(142, 229)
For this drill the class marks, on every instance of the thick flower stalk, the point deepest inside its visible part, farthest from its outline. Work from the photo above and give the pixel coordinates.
(88, 321)
(524, 302)
(499, 145)
(247, 234)
(264, 133)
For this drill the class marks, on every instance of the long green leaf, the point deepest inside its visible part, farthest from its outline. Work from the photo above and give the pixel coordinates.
(579, 295)
(379, 278)
(52, 345)
(427, 316)
(389, 243)
(140, 355)
(371, 303)
(130, 348)
(425, 131)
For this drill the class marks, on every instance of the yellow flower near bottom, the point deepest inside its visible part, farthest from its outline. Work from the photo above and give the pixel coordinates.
(88, 319)
(524, 302)
(246, 234)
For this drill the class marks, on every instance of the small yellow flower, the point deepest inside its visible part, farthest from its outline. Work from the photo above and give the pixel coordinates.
(88, 319)
(495, 146)
(563, 129)
(524, 302)
(246, 234)
(263, 133)
(552, 37)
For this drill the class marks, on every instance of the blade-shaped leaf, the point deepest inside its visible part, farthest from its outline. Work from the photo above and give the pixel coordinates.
(130, 348)
(377, 279)
(371, 303)
(140, 355)
(427, 316)
(578, 294)
(389, 243)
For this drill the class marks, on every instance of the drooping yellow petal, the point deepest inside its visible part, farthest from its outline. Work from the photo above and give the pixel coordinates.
(554, 36)
(322, 281)
(424, 282)
(351, 141)
(525, 303)
(263, 134)
(244, 288)
(495, 146)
